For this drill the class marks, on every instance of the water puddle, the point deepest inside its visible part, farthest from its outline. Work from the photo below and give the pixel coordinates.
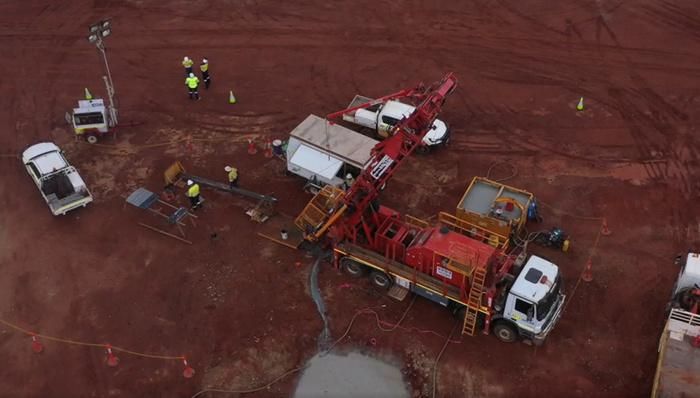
(353, 376)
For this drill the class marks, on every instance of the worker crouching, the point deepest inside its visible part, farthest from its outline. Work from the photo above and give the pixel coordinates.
(193, 194)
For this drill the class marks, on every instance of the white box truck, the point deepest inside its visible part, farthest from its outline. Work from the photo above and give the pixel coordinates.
(324, 153)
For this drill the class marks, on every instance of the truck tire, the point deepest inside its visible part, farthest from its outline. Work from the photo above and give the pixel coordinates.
(380, 280)
(353, 268)
(505, 332)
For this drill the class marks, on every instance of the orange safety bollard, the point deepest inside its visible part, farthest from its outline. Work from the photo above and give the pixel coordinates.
(587, 275)
(112, 360)
(604, 228)
(188, 372)
(252, 150)
(188, 144)
(37, 347)
(268, 148)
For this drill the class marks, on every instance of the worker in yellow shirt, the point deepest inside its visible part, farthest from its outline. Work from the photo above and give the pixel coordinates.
(232, 176)
(193, 194)
(204, 67)
(192, 82)
(187, 64)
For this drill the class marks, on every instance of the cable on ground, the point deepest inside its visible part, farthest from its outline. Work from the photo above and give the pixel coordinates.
(514, 171)
(86, 344)
(437, 359)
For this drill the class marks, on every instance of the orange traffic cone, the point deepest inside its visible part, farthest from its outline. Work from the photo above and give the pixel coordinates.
(268, 148)
(604, 228)
(251, 147)
(587, 275)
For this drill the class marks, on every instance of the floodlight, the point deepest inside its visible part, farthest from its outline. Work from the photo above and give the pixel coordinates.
(92, 38)
(106, 32)
(94, 28)
(106, 24)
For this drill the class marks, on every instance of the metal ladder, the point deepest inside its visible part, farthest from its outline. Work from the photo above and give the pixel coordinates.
(474, 302)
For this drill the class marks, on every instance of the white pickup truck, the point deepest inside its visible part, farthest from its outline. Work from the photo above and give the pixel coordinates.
(59, 183)
(382, 118)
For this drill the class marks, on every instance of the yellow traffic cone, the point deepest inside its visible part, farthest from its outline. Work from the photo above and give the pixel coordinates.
(231, 98)
(579, 106)
(88, 96)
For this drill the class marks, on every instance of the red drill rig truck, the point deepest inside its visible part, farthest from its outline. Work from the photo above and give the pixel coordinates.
(510, 294)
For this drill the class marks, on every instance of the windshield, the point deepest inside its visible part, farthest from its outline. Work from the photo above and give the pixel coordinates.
(545, 305)
(88, 118)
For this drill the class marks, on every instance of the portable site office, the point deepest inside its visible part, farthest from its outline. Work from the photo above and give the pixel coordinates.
(324, 152)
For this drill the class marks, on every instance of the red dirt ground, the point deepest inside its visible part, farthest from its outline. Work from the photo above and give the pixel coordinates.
(237, 306)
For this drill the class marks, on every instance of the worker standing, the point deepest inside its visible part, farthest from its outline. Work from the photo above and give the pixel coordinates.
(232, 176)
(193, 194)
(187, 64)
(349, 180)
(192, 83)
(204, 67)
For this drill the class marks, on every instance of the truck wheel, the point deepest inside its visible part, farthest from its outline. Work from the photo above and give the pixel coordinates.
(353, 268)
(380, 280)
(91, 138)
(505, 332)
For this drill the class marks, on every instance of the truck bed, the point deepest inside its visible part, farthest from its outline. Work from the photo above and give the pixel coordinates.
(401, 270)
(359, 100)
(63, 205)
(678, 368)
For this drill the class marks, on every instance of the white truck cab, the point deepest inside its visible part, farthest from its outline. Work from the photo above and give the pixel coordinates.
(383, 117)
(59, 183)
(534, 303)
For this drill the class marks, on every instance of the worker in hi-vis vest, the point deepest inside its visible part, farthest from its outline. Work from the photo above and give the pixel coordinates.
(204, 67)
(232, 176)
(192, 82)
(193, 194)
(187, 64)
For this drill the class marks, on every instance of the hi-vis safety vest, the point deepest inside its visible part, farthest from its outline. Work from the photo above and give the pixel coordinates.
(232, 175)
(187, 63)
(204, 67)
(193, 191)
(192, 82)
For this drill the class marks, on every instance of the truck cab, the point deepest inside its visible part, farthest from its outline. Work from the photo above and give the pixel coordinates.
(532, 305)
(382, 118)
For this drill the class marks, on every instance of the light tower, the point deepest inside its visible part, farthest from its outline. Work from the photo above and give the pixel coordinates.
(98, 32)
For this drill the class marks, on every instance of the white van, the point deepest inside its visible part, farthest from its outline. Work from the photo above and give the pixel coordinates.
(323, 153)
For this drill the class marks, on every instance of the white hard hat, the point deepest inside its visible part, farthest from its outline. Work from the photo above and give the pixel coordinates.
(228, 168)
(190, 182)
(191, 74)
(185, 59)
(204, 60)
(349, 176)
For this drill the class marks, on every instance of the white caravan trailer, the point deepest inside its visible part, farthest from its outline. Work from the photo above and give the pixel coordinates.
(323, 153)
